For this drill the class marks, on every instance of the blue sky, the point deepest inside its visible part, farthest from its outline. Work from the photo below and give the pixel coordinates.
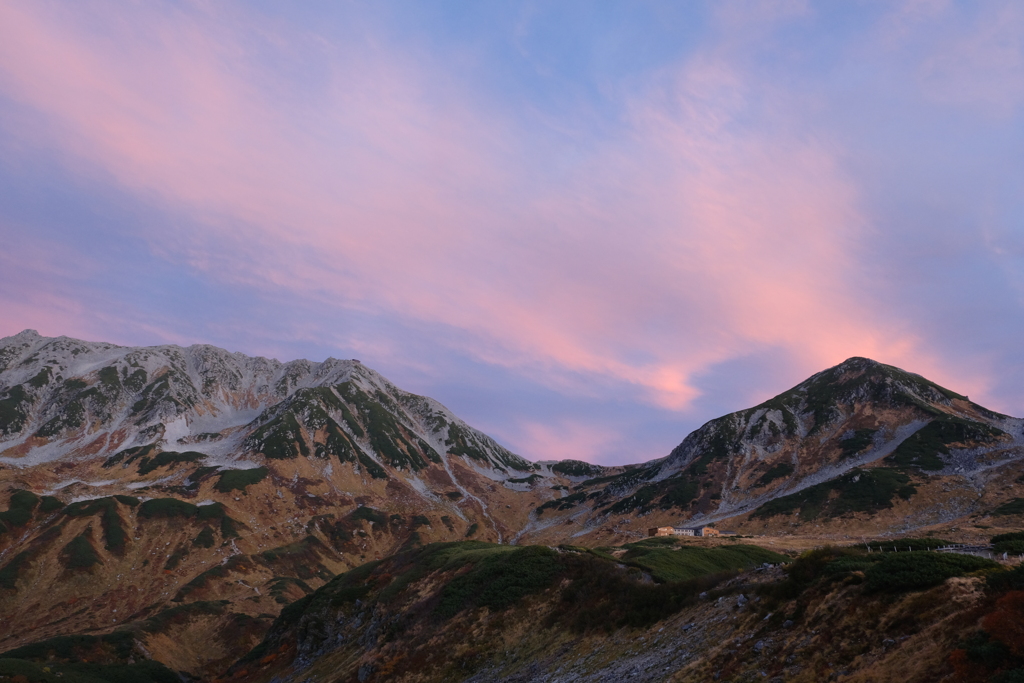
(587, 229)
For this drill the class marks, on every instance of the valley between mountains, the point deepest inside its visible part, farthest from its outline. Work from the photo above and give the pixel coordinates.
(224, 517)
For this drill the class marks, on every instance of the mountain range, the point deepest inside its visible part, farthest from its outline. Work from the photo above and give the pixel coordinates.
(186, 495)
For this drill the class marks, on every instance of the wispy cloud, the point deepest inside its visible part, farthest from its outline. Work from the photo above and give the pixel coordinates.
(571, 440)
(714, 215)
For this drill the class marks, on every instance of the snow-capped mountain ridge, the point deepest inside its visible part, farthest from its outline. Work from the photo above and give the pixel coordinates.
(59, 394)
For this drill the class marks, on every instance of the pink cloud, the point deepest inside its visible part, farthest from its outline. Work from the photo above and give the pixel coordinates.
(571, 439)
(383, 186)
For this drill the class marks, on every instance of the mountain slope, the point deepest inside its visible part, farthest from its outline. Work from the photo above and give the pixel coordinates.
(186, 494)
(859, 438)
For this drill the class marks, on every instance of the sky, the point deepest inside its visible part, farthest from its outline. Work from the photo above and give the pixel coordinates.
(586, 228)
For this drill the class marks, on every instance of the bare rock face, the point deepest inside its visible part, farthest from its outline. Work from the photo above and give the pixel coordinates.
(186, 494)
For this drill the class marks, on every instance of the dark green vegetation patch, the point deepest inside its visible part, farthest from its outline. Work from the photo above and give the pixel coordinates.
(499, 579)
(76, 400)
(1012, 507)
(205, 538)
(14, 410)
(280, 584)
(923, 447)
(338, 533)
(70, 416)
(167, 508)
(79, 553)
(1012, 543)
(42, 378)
(311, 405)
(564, 503)
(907, 544)
(336, 443)
(182, 614)
(239, 480)
(159, 392)
(531, 480)
(74, 648)
(368, 514)
(779, 471)
(109, 378)
(888, 572)
(390, 440)
(228, 527)
(73, 659)
(49, 504)
(19, 509)
(114, 534)
(147, 671)
(10, 572)
(716, 441)
(458, 444)
(130, 455)
(341, 590)
(669, 563)
(301, 558)
(630, 477)
(175, 558)
(371, 466)
(172, 508)
(766, 422)
(167, 458)
(1010, 580)
(917, 570)
(198, 474)
(235, 563)
(859, 490)
(855, 443)
(675, 492)
(280, 439)
(135, 380)
(600, 597)
(576, 468)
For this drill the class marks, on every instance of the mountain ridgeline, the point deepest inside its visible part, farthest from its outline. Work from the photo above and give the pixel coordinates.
(857, 413)
(184, 495)
(58, 393)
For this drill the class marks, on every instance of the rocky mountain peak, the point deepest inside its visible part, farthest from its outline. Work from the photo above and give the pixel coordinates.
(859, 413)
(67, 398)
(27, 333)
